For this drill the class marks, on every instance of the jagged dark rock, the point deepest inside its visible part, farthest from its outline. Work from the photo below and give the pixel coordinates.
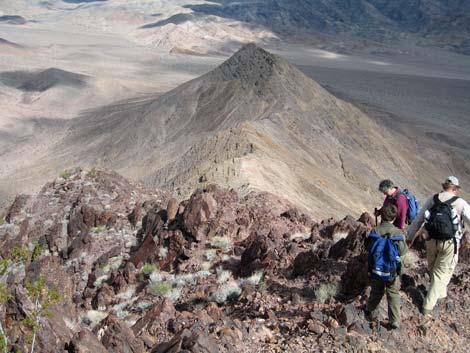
(225, 274)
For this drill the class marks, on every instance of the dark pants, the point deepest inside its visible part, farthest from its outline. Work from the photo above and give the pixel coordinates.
(392, 289)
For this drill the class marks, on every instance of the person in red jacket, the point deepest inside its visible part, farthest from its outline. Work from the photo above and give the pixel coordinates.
(394, 196)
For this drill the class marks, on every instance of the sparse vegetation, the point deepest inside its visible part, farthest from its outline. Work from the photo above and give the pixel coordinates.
(36, 252)
(223, 275)
(210, 254)
(94, 317)
(19, 254)
(227, 292)
(146, 271)
(326, 291)
(162, 253)
(254, 279)
(41, 295)
(160, 289)
(93, 173)
(2, 221)
(97, 230)
(220, 242)
(99, 281)
(65, 175)
(4, 266)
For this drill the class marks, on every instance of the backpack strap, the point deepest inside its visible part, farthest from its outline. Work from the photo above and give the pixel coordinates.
(374, 235)
(451, 200)
(397, 238)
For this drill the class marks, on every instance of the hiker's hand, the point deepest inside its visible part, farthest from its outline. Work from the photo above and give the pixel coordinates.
(376, 212)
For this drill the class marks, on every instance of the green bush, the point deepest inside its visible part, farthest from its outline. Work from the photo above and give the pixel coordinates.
(327, 291)
(97, 230)
(65, 175)
(20, 254)
(160, 289)
(146, 271)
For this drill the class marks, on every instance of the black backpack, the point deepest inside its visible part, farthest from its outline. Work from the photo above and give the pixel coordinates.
(442, 222)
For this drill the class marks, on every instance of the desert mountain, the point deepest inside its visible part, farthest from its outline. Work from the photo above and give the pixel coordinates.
(428, 22)
(255, 122)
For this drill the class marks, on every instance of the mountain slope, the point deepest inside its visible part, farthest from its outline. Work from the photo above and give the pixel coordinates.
(443, 23)
(255, 122)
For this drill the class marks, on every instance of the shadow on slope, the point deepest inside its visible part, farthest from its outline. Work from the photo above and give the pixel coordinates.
(43, 80)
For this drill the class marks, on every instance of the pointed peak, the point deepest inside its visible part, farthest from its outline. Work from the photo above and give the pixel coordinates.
(251, 64)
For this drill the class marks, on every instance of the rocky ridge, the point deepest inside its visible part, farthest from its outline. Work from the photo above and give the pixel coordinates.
(138, 271)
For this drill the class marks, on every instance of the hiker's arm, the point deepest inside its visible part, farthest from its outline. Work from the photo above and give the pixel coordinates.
(466, 212)
(402, 247)
(402, 206)
(418, 221)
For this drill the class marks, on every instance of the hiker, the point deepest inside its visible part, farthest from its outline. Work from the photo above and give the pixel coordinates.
(394, 196)
(443, 230)
(391, 284)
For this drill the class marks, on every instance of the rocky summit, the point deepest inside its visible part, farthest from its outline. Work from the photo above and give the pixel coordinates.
(95, 263)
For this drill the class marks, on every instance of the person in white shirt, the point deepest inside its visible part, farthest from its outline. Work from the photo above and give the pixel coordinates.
(442, 254)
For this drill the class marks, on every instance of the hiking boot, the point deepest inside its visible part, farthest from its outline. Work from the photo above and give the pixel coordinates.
(370, 315)
(394, 325)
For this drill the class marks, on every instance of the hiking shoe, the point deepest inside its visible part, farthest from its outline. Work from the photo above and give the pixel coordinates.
(370, 316)
(394, 325)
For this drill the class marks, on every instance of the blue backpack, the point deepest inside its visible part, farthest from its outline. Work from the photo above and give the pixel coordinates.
(384, 258)
(413, 205)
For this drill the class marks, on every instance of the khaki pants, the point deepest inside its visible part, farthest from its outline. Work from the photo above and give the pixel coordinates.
(441, 265)
(392, 289)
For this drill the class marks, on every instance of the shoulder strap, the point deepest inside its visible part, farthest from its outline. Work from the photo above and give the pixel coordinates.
(397, 238)
(374, 235)
(452, 200)
(436, 199)
(398, 193)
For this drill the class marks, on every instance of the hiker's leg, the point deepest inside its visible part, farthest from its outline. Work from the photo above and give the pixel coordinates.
(393, 299)
(376, 294)
(440, 276)
(431, 253)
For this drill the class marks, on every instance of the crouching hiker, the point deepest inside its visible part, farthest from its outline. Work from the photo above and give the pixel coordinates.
(394, 196)
(385, 244)
(443, 215)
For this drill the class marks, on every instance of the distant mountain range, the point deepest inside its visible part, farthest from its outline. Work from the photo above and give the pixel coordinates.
(442, 23)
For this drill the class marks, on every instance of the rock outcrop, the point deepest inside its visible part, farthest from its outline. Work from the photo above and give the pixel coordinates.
(138, 271)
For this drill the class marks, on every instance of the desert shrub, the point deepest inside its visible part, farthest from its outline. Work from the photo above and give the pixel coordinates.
(210, 254)
(223, 275)
(20, 254)
(160, 289)
(94, 317)
(97, 230)
(326, 291)
(254, 279)
(220, 242)
(65, 175)
(146, 271)
(92, 173)
(227, 292)
(162, 253)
